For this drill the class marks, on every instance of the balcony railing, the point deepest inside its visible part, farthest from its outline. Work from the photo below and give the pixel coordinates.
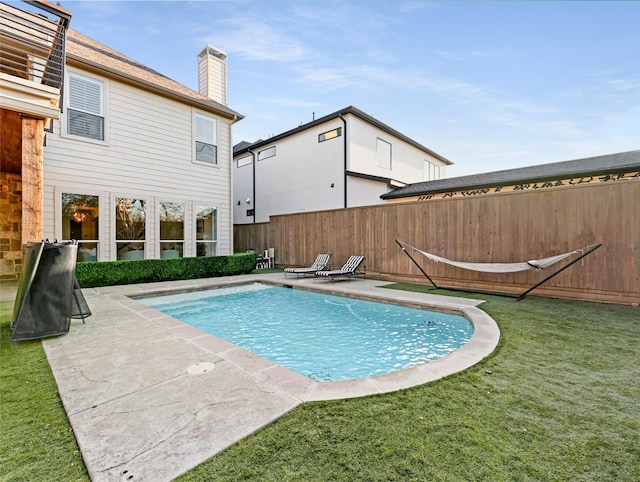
(32, 41)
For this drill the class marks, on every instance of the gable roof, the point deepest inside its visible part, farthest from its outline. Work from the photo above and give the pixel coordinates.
(241, 146)
(335, 115)
(590, 166)
(86, 53)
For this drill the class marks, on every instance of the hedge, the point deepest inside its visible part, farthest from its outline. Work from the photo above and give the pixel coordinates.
(109, 273)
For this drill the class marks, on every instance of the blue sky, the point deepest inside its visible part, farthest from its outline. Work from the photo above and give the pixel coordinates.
(488, 85)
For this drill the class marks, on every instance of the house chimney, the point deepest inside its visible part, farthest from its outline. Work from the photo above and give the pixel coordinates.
(212, 74)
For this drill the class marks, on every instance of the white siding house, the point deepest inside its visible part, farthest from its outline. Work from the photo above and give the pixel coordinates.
(139, 166)
(344, 159)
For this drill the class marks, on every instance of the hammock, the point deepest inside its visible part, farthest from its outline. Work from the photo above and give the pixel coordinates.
(538, 264)
(499, 267)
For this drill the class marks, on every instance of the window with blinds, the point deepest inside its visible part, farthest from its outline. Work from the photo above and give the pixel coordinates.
(206, 149)
(85, 107)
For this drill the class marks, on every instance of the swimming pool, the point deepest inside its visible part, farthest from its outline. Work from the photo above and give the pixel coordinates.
(321, 336)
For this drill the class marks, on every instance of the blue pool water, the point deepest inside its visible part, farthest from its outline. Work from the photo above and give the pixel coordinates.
(323, 337)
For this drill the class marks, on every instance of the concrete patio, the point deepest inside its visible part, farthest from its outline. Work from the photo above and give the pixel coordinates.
(150, 397)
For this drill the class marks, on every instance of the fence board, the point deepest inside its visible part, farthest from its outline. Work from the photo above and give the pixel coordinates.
(502, 227)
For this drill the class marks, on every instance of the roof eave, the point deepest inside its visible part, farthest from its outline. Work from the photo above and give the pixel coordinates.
(77, 61)
(338, 114)
(512, 181)
(370, 177)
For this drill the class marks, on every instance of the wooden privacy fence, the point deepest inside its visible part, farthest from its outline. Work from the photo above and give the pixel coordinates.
(504, 227)
(251, 236)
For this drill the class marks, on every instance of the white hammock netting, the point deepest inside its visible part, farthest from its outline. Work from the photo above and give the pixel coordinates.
(499, 267)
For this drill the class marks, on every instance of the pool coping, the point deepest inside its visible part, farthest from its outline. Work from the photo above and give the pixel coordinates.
(482, 343)
(149, 397)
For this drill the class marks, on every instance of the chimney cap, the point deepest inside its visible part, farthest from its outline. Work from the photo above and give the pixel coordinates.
(211, 50)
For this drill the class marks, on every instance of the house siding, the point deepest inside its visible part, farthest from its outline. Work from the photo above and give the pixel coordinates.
(298, 178)
(147, 154)
(407, 161)
(307, 175)
(212, 75)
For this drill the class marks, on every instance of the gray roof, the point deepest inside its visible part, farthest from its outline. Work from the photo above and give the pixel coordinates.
(91, 54)
(347, 110)
(240, 146)
(590, 166)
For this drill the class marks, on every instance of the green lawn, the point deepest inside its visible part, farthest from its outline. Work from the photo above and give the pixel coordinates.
(558, 400)
(36, 441)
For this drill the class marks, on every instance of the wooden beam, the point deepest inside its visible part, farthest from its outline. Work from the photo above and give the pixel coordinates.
(32, 179)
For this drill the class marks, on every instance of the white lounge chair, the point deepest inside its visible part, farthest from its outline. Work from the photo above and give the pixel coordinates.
(319, 264)
(349, 270)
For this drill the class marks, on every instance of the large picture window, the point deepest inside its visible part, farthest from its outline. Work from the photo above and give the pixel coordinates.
(206, 149)
(85, 108)
(206, 231)
(131, 223)
(171, 230)
(80, 221)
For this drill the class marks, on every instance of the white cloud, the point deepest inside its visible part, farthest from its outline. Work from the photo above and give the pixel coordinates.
(409, 6)
(452, 55)
(624, 84)
(257, 41)
(374, 78)
(290, 102)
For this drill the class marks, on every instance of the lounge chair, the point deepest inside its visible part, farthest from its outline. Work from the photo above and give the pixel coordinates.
(319, 264)
(349, 270)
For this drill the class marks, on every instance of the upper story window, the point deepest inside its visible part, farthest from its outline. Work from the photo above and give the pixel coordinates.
(267, 153)
(431, 171)
(383, 154)
(206, 149)
(332, 134)
(86, 107)
(244, 161)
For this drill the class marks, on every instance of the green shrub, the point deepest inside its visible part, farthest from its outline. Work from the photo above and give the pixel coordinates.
(108, 273)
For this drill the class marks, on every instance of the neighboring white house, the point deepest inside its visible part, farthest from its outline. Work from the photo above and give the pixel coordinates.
(341, 160)
(139, 165)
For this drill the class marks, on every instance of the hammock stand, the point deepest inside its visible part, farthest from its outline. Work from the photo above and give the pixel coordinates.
(502, 267)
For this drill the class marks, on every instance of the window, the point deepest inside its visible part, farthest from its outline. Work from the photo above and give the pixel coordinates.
(171, 230)
(332, 134)
(130, 217)
(244, 161)
(80, 221)
(85, 110)
(267, 153)
(206, 149)
(384, 154)
(431, 171)
(206, 231)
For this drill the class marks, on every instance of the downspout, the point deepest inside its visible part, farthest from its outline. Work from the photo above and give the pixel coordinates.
(344, 142)
(253, 184)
